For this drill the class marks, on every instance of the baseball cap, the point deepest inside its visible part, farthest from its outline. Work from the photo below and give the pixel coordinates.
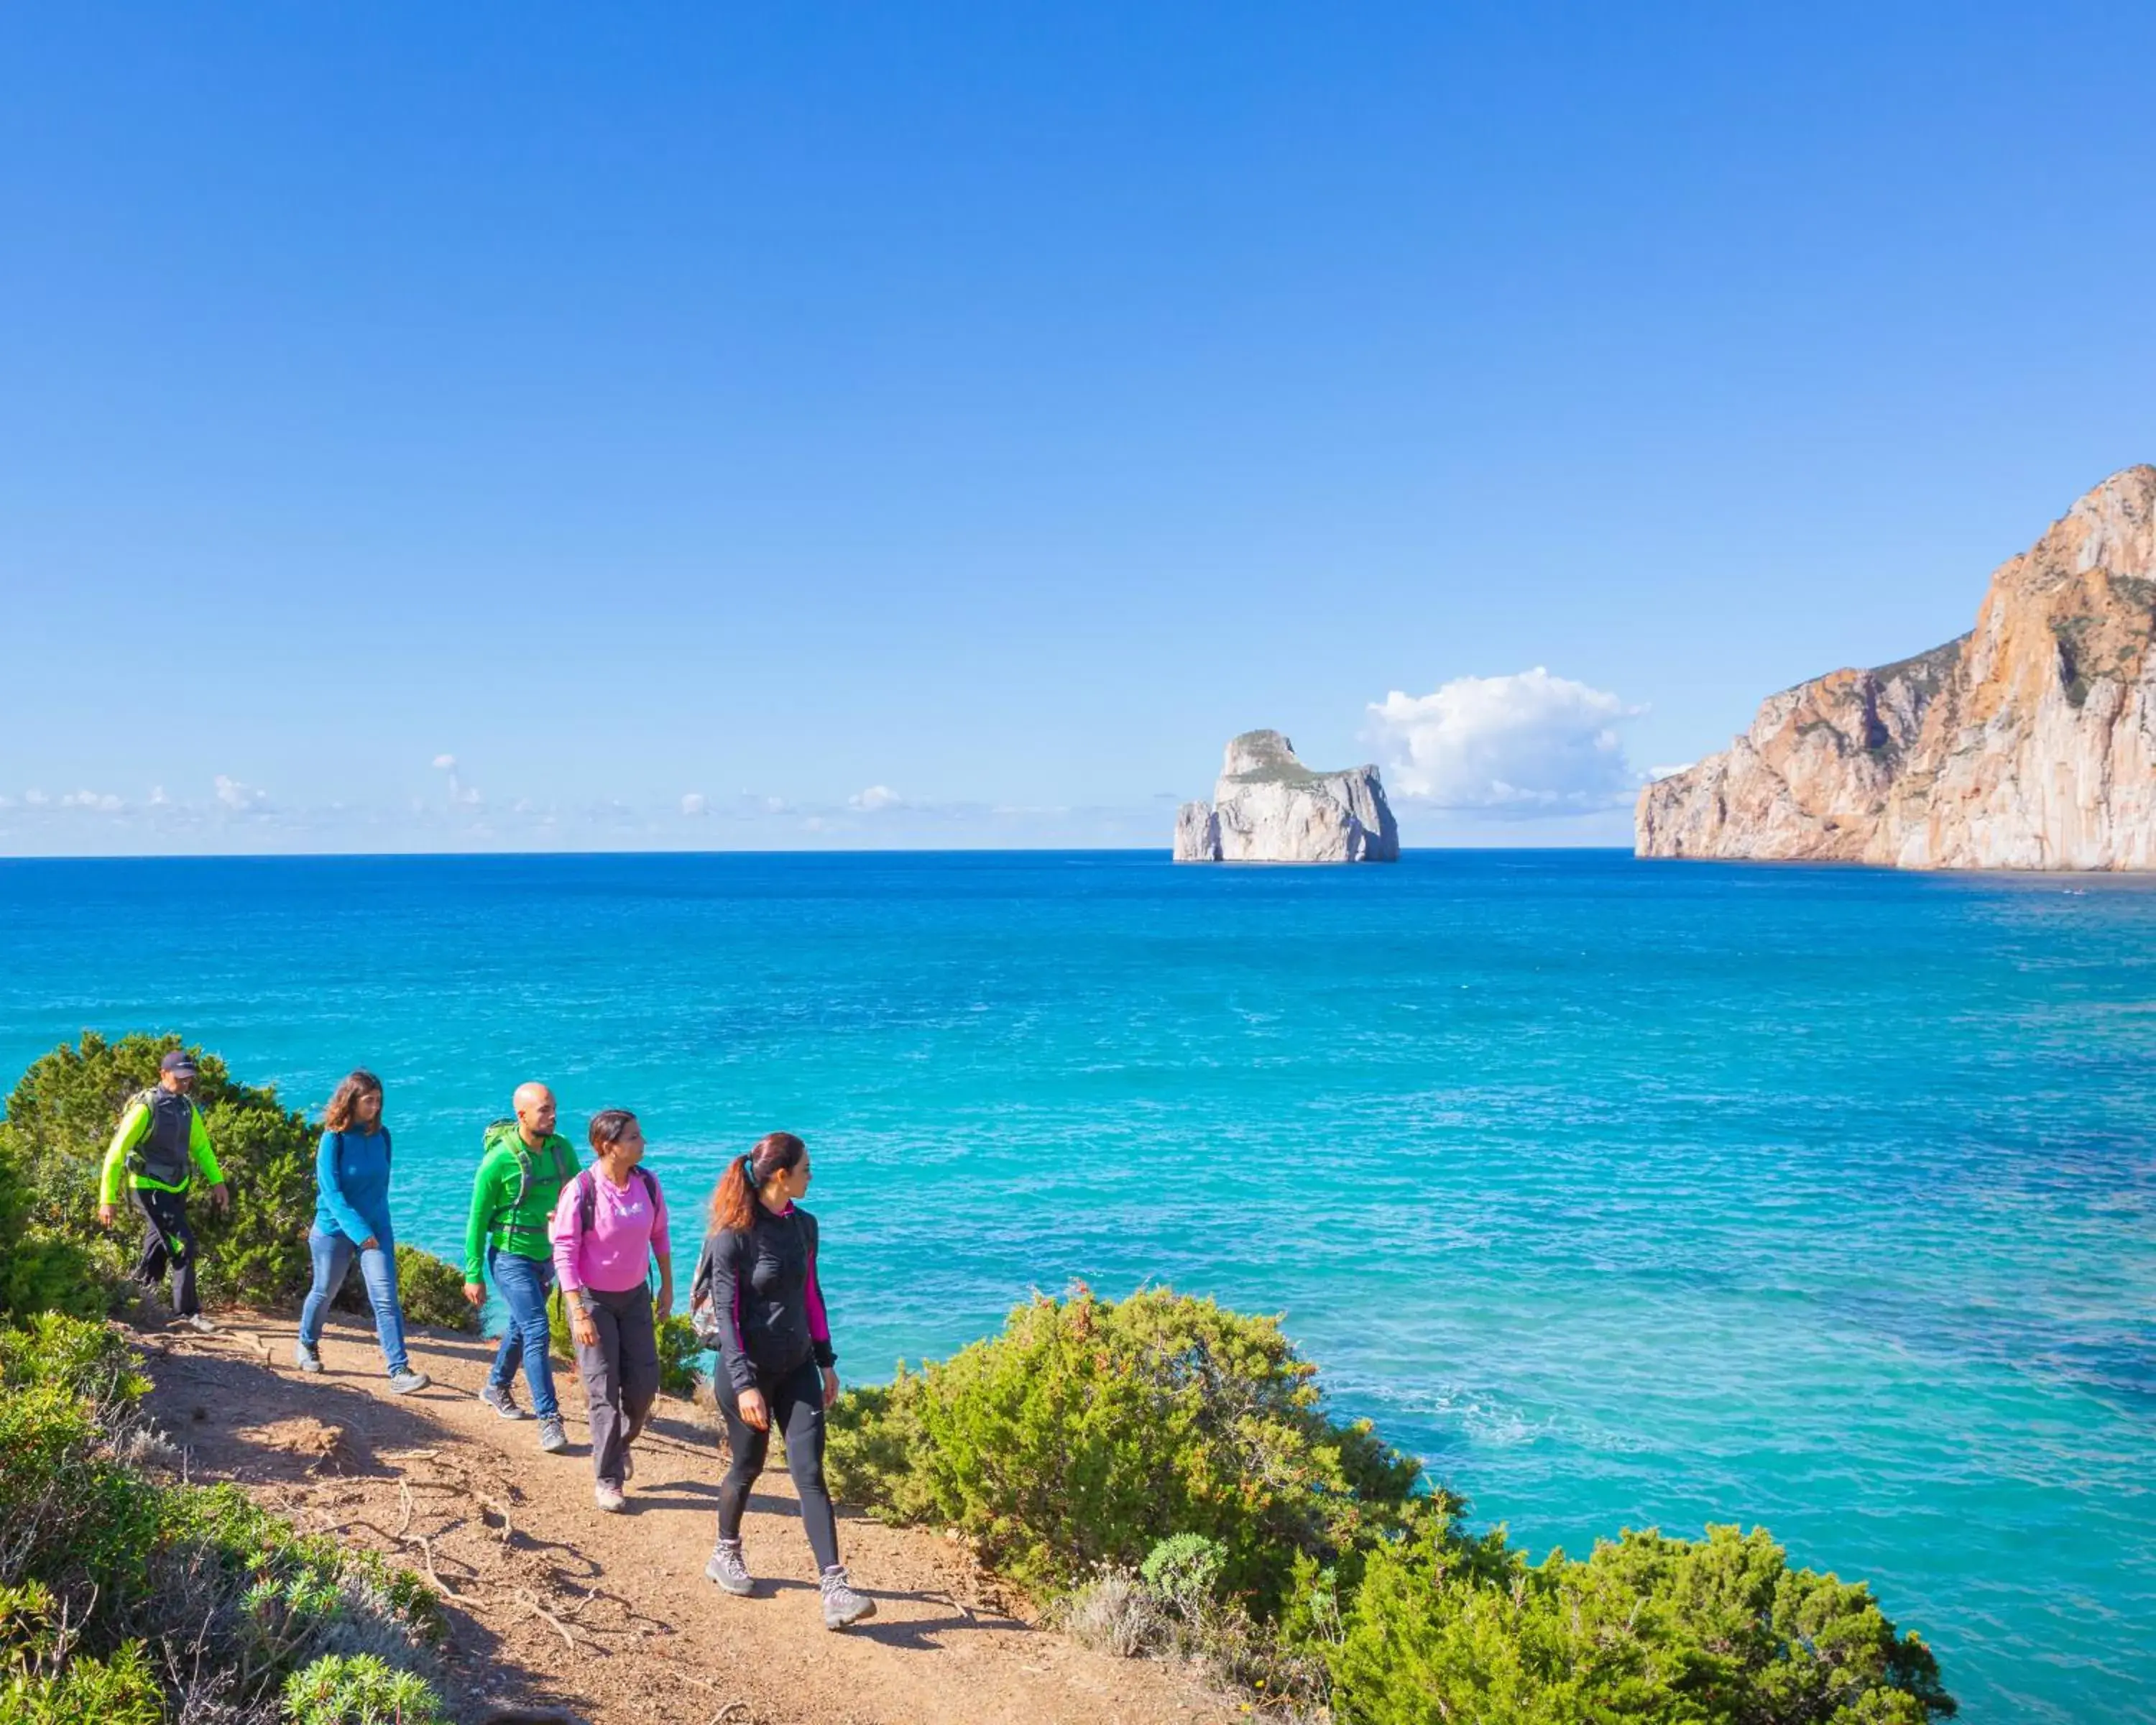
(178, 1060)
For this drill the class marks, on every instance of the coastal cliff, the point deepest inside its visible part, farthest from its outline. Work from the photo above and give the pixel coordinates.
(2028, 743)
(1268, 807)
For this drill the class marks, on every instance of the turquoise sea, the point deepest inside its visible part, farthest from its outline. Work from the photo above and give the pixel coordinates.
(1624, 1194)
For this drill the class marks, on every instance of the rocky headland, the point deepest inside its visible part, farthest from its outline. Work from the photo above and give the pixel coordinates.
(2028, 743)
(1268, 807)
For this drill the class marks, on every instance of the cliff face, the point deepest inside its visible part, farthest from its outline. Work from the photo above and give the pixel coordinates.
(1268, 807)
(2028, 743)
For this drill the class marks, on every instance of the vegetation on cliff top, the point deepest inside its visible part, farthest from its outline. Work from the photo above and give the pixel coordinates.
(1167, 1470)
(128, 1597)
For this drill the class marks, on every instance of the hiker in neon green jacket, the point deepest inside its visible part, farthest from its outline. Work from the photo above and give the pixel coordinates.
(161, 1146)
(522, 1172)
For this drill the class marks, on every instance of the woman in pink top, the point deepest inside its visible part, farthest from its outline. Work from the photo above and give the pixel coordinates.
(609, 1224)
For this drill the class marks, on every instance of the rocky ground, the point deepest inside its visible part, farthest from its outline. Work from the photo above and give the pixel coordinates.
(560, 1612)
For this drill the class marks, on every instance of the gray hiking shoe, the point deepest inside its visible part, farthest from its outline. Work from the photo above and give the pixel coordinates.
(308, 1360)
(551, 1438)
(195, 1321)
(842, 1605)
(503, 1400)
(608, 1496)
(727, 1569)
(408, 1382)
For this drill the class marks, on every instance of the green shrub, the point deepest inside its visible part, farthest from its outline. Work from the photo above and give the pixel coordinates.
(680, 1357)
(359, 1690)
(1088, 1428)
(1719, 1631)
(74, 1518)
(1184, 1570)
(43, 1683)
(85, 1358)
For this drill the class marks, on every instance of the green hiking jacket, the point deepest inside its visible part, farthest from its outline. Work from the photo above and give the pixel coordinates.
(498, 1217)
(121, 1160)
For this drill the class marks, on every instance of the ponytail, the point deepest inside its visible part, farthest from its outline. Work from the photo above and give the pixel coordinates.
(733, 1204)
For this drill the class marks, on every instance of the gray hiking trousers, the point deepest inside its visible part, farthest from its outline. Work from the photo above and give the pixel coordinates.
(621, 1374)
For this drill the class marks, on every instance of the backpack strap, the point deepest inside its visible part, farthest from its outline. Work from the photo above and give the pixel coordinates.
(587, 1198)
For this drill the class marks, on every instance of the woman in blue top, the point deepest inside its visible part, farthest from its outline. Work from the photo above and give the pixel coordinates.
(351, 1216)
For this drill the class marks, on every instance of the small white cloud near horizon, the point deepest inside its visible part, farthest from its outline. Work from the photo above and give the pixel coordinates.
(875, 797)
(695, 803)
(465, 795)
(158, 799)
(103, 802)
(1654, 773)
(234, 794)
(1522, 746)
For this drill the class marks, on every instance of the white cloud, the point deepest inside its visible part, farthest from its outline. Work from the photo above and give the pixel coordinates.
(1671, 771)
(875, 797)
(158, 799)
(464, 795)
(1525, 745)
(233, 794)
(36, 800)
(104, 803)
(695, 803)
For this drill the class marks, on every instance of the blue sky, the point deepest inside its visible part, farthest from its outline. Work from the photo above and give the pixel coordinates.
(910, 424)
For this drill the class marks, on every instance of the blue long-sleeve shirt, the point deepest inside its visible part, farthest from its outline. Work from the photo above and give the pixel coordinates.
(351, 1183)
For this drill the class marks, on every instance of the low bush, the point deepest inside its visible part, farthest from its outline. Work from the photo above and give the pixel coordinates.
(1719, 1631)
(680, 1357)
(1166, 1471)
(1088, 1428)
(359, 1690)
(126, 1599)
(432, 1291)
(43, 1683)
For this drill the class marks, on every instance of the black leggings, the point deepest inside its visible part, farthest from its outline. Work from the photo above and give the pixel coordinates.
(796, 1401)
(166, 1240)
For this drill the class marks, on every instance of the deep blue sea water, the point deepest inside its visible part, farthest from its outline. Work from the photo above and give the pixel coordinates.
(1624, 1194)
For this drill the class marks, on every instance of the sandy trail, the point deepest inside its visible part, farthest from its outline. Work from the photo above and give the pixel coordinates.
(608, 1619)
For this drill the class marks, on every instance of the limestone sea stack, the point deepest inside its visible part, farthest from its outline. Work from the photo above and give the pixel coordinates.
(1268, 807)
(2029, 743)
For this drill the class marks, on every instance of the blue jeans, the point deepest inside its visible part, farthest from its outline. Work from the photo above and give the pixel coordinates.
(333, 1254)
(523, 1284)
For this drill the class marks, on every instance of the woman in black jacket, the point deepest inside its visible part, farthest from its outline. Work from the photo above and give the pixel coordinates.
(756, 1289)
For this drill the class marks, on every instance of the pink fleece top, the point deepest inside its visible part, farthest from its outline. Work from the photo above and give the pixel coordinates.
(628, 1223)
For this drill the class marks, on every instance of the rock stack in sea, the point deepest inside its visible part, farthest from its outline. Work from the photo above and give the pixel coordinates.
(1268, 807)
(2029, 743)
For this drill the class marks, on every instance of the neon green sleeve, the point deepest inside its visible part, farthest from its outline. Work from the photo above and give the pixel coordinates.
(484, 1202)
(199, 1148)
(132, 1125)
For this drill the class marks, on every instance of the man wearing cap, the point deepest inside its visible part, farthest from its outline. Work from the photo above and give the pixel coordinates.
(161, 1144)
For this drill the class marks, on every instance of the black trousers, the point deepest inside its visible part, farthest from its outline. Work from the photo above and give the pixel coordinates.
(796, 1401)
(167, 1241)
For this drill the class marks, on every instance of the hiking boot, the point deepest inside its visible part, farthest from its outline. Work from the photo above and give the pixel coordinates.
(628, 1465)
(408, 1382)
(196, 1322)
(308, 1360)
(842, 1605)
(502, 1400)
(727, 1569)
(608, 1496)
(551, 1438)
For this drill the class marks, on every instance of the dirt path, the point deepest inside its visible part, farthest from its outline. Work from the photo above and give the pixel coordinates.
(608, 1617)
